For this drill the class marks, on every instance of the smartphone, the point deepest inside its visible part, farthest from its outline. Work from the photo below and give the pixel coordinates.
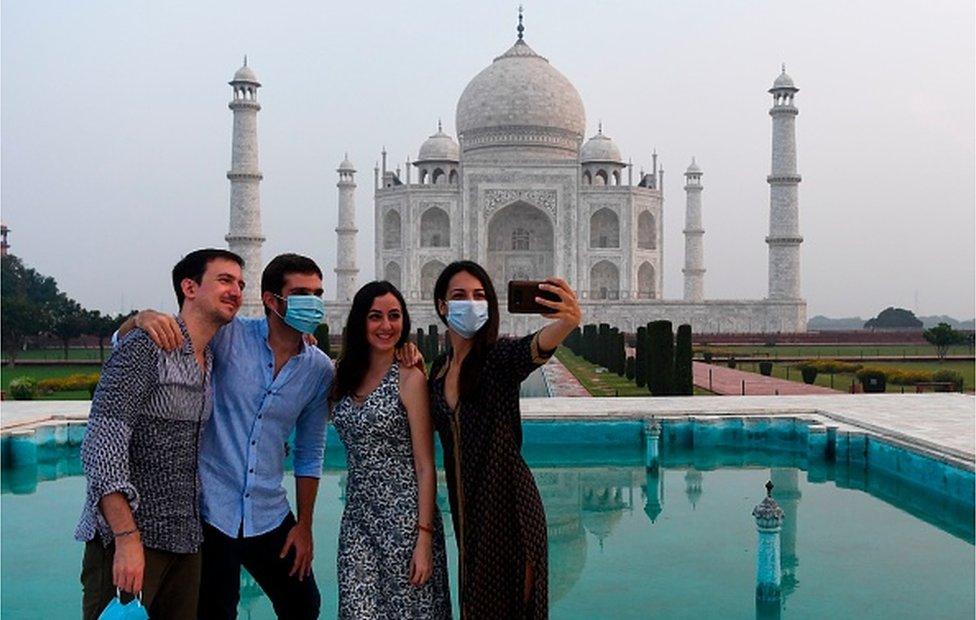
(522, 294)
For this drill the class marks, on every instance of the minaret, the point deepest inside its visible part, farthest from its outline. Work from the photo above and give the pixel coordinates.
(694, 269)
(784, 216)
(244, 237)
(346, 270)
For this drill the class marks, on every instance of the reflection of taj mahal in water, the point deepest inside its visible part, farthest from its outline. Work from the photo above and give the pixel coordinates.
(522, 192)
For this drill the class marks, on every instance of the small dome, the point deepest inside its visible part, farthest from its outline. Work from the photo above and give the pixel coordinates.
(784, 81)
(693, 168)
(439, 147)
(600, 148)
(346, 165)
(245, 74)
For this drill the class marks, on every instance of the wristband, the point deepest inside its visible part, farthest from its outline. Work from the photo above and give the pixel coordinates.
(425, 528)
(125, 533)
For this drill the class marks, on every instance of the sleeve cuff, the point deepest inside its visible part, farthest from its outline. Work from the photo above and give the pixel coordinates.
(539, 355)
(125, 488)
(309, 469)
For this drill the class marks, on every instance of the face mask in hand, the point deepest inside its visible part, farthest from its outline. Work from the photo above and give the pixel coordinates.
(303, 312)
(466, 316)
(115, 610)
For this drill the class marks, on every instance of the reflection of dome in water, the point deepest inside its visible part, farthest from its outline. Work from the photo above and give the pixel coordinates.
(602, 510)
(567, 553)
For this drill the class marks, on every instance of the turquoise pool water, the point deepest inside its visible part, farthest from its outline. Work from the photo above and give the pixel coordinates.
(624, 542)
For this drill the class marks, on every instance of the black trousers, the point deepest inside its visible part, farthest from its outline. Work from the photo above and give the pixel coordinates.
(220, 583)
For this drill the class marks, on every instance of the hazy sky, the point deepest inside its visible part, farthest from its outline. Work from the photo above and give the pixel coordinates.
(116, 132)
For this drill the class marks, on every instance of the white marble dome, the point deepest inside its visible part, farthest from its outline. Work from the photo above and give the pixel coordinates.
(784, 81)
(600, 148)
(439, 147)
(245, 74)
(520, 99)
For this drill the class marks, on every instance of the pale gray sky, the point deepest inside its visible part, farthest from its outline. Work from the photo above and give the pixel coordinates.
(116, 131)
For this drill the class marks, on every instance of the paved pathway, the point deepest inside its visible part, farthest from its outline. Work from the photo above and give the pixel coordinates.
(726, 381)
(562, 382)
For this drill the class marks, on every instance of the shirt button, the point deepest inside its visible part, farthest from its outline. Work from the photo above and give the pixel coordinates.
(253, 442)
(270, 365)
(247, 495)
(260, 415)
(250, 471)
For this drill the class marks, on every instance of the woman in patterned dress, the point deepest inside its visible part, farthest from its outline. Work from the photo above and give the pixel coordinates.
(391, 560)
(499, 521)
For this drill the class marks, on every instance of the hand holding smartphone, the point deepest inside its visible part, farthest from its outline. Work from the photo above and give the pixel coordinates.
(522, 294)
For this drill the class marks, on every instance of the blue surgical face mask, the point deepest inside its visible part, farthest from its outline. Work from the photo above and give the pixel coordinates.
(133, 610)
(303, 312)
(467, 316)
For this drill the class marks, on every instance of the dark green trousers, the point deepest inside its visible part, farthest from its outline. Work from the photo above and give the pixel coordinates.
(170, 582)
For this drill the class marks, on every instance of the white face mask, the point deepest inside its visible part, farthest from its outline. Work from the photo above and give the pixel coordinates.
(467, 316)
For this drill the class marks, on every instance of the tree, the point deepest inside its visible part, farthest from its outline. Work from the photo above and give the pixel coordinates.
(660, 379)
(322, 339)
(27, 302)
(433, 343)
(942, 336)
(640, 357)
(70, 321)
(684, 379)
(894, 318)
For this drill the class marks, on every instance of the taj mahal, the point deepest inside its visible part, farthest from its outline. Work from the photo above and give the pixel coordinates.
(523, 192)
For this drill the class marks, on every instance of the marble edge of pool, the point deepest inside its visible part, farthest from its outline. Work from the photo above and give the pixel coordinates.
(942, 426)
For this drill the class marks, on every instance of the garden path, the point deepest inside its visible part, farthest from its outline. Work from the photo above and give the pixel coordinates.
(726, 381)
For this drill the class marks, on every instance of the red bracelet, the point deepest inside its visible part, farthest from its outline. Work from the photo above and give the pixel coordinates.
(425, 528)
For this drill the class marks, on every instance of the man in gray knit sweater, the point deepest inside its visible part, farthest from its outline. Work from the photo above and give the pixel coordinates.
(141, 519)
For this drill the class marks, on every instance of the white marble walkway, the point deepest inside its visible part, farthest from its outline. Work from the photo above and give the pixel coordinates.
(943, 425)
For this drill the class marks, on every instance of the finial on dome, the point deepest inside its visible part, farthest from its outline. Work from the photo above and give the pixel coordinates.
(439, 130)
(599, 127)
(245, 60)
(784, 67)
(520, 28)
(769, 488)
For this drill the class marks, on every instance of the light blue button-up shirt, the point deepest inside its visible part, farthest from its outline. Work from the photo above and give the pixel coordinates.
(243, 449)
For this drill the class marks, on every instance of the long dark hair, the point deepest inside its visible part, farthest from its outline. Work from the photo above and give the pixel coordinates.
(485, 338)
(354, 361)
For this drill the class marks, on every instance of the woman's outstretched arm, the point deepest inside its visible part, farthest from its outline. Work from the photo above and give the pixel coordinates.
(565, 319)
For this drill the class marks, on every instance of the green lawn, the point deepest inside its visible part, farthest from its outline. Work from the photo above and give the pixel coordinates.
(603, 383)
(833, 351)
(48, 372)
(843, 381)
(57, 354)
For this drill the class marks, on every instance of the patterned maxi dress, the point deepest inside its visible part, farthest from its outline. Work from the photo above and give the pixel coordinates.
(379, 523)
(499, 520)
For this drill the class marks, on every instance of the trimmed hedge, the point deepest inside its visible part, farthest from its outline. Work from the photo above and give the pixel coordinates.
(631, 370)
(684, 380)
(766, 369)
(949, 376)
(22, 388)
(640, 357)
(660, 378)
(873, 380)
(322, 339)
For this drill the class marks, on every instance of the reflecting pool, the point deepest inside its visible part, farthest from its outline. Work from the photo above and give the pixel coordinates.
(624, 542)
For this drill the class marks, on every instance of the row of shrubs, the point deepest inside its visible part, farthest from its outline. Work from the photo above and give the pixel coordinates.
(661, 360)
(28, 388)
(875, 378)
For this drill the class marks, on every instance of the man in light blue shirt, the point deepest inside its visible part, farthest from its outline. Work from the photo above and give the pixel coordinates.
(267, 382)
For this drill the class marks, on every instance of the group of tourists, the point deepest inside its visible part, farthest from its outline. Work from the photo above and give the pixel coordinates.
(195, 415)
